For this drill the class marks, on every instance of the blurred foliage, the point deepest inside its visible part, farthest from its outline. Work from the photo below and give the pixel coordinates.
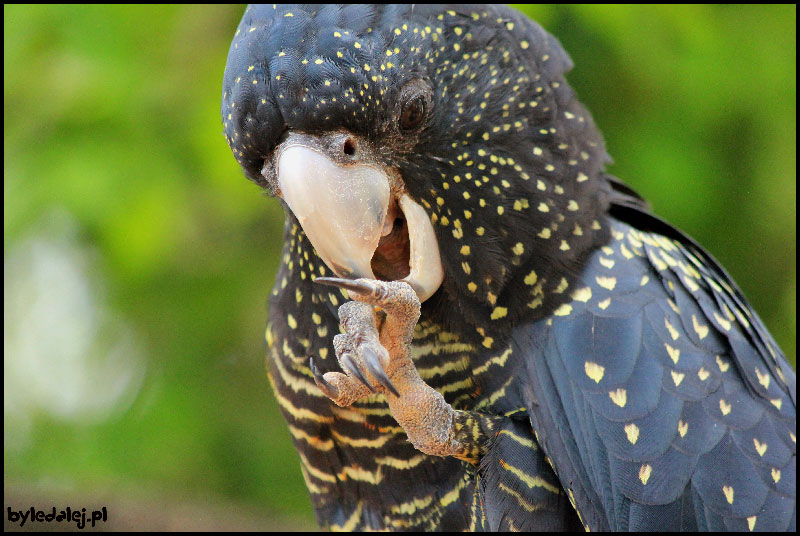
(111, 124)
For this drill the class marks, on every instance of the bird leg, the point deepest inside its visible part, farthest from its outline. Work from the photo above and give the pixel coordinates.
(374, 354)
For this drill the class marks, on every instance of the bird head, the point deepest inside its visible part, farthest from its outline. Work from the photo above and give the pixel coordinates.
(437, 145)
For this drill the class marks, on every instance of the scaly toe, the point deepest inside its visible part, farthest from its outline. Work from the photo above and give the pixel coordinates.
(373, 364)
(350, 365)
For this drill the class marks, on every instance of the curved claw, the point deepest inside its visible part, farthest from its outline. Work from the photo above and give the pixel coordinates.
(350, 365)
(330, 390)
(375, 368)
(360, 287)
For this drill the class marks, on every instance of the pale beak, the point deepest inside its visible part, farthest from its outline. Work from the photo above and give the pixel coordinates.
(344, 211)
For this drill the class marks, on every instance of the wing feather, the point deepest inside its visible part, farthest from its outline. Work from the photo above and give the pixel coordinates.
(662, 400)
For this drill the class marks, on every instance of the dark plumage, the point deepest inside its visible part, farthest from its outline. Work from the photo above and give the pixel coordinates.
(592, 334)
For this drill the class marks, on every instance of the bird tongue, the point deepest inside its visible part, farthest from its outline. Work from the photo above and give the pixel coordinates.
(345, 211)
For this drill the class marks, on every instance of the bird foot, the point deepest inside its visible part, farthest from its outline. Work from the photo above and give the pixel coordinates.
(374, 354)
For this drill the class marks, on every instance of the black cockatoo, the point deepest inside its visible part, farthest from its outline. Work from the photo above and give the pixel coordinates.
(475, 326)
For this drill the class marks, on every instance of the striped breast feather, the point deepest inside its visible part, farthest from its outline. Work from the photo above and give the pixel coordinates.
(518, 490)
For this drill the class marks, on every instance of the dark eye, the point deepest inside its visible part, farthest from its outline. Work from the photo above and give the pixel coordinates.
(413, 113)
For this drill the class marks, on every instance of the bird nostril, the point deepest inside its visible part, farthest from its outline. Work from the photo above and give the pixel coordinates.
(349, 147)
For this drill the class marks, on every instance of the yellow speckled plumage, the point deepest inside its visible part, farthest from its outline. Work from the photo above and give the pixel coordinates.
(601, 368)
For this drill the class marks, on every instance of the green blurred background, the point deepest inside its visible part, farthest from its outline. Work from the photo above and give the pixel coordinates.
(138, 260)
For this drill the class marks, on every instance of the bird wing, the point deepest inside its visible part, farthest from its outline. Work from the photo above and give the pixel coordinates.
(662, 401)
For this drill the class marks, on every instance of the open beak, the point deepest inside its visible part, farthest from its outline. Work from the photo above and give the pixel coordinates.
(360, 221)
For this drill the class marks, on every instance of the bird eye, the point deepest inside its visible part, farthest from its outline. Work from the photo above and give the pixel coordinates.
(413, 113)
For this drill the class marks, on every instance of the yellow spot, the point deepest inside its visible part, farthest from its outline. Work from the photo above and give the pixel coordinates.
(677, 377)
(776, 475)
(298, 296)
(673, 306)
(726, 325)
(531, 278)
(724, 407)
(562, 286)
(777, 402)
(683, 427)
(751, 523)
(628, 255)
(491, 297)
(564, 245)
(543, 207)
(564, 310)
(465, 250)
(644, 473)
(761, 448)
(572, 205)
(594, 371)
(699, 328)
(604, 304)
(672, 331)
(608, 263)
(488, 341)
(499, 312)
(544, 233)
(292, 322)
(269, 337)
(606, 282)
(728, 491)
(582, 294)
(722, 364)
(619, 397)
(479, 231)
(472, 286)
(524, 45)
(703, 374)
(518, 248)
(763, 379)
(674, 353)
(500, 210)
(632, 431)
